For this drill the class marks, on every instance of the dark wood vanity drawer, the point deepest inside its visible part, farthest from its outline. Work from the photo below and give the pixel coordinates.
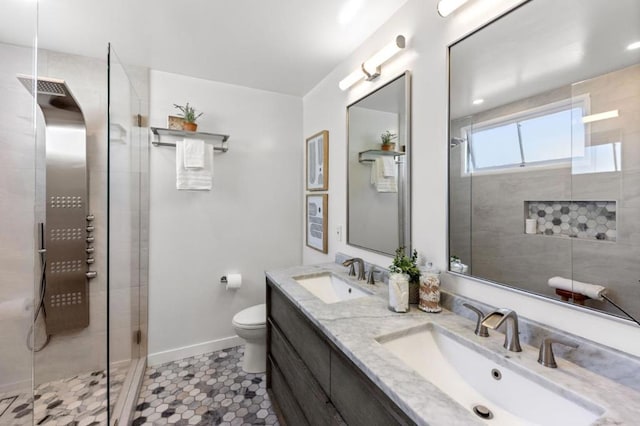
(358, 399)
(300, 333)
(316, 405)
(284, 399)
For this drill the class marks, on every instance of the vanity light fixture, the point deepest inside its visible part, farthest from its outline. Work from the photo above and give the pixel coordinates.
(371, 68)
(601, 116)
(478, 101)
(633, 46)
(447, 7)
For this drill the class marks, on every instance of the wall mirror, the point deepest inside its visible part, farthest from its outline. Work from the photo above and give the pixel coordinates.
(544, 152)
(378, 176)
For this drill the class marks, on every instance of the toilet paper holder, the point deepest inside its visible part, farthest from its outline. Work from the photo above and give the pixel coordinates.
(223, 279)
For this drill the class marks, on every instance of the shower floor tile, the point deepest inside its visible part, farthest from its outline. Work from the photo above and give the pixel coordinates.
(76, 401)
(209, 389)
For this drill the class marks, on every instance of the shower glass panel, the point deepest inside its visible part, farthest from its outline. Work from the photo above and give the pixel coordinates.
(606, 181)
(19, 260)
(127, 230)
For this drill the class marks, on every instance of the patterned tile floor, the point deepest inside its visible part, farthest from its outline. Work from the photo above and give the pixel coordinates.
(76, 401)
(209, 389)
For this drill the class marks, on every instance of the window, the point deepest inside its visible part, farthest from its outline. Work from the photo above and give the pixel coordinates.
(550, 134)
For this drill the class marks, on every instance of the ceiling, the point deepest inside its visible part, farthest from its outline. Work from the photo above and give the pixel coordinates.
(543, 45)
(284, 46)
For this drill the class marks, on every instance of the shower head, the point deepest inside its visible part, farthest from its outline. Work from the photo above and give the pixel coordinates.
(52, 95)
(456, 141)
(46, 86)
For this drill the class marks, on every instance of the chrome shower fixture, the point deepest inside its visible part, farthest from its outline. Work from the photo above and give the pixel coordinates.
(67, 228)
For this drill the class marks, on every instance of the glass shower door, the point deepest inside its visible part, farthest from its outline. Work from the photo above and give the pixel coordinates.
(19, 260)
(127, 230)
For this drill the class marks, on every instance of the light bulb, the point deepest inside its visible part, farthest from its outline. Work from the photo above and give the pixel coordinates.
(446, 7)
(384, 54)
(351, 79)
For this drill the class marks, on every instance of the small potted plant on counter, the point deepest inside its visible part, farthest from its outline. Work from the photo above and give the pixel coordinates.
(189, 114)
(407, 265)
(388, 141)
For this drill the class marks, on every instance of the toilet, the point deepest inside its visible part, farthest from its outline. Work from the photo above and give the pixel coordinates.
(251, 325)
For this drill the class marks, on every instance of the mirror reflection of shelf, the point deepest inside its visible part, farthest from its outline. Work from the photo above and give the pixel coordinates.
(369, 156)
(159, 133)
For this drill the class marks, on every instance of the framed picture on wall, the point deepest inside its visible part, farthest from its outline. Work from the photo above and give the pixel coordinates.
(318, 162)
(317, 221)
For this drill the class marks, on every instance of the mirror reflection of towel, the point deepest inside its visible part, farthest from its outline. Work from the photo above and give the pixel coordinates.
(383, 174)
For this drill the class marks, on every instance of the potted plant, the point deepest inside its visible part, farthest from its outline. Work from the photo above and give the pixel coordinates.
(188, 113)
(407, 265)
(388, 141)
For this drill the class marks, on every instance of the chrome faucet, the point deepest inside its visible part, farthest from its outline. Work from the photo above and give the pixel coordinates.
(352, 272)
(498, 317)
(545, 357)
(481, 330)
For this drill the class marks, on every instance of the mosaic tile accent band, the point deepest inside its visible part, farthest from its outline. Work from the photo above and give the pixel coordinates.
(591, 220)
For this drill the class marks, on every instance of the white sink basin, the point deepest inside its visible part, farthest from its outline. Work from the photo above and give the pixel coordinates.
(468, 378)
(329, 288)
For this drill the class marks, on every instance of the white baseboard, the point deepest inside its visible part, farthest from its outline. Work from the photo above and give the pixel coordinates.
(193, 350)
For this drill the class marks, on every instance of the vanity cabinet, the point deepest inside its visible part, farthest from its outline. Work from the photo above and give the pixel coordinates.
(310, 380)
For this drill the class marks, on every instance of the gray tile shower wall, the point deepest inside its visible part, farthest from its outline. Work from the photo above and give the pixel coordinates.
(577, 219)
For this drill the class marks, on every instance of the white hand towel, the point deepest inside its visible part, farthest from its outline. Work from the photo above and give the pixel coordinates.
(194, 179)
(593, 291)
(382, 183)
(389, 168)
(193, 153)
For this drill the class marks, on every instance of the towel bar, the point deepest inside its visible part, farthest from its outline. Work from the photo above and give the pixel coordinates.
(160, 132)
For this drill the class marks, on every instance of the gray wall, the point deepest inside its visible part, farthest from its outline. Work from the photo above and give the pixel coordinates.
(500, 251)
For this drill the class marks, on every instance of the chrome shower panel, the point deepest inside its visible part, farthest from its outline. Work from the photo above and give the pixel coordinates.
(66, 298)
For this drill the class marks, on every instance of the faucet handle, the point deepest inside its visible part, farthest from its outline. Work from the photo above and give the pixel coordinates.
(370, 277)
(481, 330)
(545, 356)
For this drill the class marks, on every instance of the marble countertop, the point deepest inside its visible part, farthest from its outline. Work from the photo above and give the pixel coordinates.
(353, 326)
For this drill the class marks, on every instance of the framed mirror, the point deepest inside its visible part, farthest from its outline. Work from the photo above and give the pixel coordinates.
(544, 152)
(378, 170)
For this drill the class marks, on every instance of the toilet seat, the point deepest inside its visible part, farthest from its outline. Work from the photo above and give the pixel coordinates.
(251, 318)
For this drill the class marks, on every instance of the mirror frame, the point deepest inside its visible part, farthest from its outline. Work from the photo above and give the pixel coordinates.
(404, 190)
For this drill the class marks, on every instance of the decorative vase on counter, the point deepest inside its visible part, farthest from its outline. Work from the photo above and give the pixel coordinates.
(430, 290)
(399, 292)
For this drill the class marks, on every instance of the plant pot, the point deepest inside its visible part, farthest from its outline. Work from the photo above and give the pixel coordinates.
(389, 147)
(189, 127)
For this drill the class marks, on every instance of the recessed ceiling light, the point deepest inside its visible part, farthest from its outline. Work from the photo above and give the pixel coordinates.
(478, 101)
(633, 46)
